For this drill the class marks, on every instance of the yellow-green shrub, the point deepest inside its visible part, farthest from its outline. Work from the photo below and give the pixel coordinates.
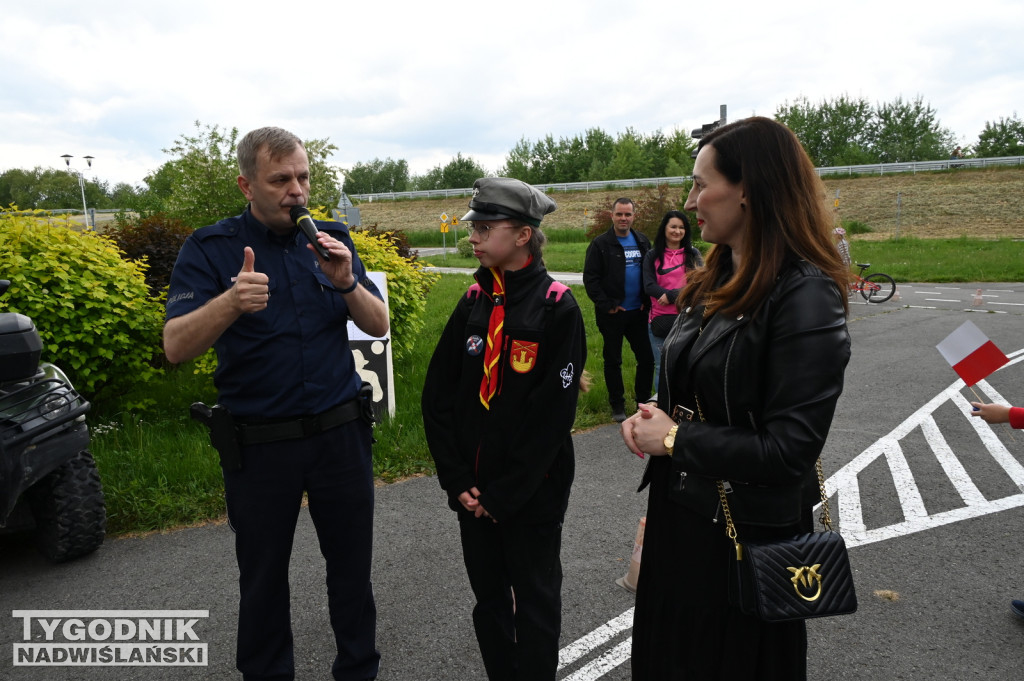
(408, 285)
(92, 308)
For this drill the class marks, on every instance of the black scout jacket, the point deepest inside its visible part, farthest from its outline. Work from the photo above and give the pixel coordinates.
(519, 454)
(767, 384)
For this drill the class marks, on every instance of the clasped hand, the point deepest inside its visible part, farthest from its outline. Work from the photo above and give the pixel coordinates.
(645, 431)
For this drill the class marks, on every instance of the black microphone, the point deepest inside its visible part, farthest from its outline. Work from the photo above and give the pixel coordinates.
(304, 221)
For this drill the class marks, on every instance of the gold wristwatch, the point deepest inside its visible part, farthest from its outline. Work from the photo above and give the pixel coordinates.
(670, 439)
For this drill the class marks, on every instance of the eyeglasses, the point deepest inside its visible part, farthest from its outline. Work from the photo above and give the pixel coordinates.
(483, 230)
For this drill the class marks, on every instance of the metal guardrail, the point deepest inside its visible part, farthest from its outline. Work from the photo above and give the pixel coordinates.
(921, 166)
(868, 169)
(557, 187)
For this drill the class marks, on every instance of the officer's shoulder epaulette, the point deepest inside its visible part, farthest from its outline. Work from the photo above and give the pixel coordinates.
(228, 227)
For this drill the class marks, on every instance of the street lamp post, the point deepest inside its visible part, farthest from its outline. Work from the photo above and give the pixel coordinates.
(81, 183)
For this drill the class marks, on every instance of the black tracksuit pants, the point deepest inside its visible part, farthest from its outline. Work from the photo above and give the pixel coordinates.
(516, 575)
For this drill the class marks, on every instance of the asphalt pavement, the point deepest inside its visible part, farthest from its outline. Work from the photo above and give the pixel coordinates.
(931, 502)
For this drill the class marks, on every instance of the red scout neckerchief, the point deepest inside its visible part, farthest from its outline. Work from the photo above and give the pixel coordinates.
(492, 353)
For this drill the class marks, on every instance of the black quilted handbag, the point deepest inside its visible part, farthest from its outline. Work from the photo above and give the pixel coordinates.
(791, 579)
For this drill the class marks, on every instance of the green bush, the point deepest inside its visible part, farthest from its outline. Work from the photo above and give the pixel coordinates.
(157, 238)
(856, 227)
(408, 285)
(464, 248)
(92, 308)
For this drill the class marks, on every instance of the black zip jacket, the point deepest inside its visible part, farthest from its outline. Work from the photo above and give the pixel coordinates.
(519, 454)
(767, 384)
(604, 271)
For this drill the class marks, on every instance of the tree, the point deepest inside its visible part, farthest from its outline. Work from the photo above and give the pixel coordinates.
(206, 189)
(377, 176)
(1004, 137)
(199, 186)
(908, 131)
(834, 132)
(629, 160)
(461, 172)
(324, 188)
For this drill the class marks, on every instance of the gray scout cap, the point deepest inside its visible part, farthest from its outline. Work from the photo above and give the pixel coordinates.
(504, 198)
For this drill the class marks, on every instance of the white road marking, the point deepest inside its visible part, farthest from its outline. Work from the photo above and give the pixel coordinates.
(851, 517)
(594, 639)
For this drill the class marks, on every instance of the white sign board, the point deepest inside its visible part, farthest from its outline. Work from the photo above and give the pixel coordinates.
(373, 356)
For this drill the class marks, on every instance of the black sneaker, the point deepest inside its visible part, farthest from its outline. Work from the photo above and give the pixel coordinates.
(1017, 607)
(618, 416)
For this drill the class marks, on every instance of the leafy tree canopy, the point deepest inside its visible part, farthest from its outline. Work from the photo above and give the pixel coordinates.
(847, 131)
(1004, 137)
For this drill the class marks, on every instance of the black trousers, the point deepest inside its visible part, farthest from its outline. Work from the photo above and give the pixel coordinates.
(335, 469)
(516, 576)
(631, 326)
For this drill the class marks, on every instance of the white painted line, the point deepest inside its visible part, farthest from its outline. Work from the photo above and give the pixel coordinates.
(995, 303)
(955, 470)
(942, 300)
(928, 293)
(906, 488)
(604, 664)
(923, 307)
(594, 639)
(851, 515)
(931, 522)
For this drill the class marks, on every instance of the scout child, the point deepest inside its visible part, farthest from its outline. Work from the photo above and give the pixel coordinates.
(499, 403)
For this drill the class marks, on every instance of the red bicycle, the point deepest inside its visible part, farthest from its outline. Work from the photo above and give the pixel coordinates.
(875, 287)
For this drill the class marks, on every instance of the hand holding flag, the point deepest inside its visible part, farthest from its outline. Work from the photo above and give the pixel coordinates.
(971, 354)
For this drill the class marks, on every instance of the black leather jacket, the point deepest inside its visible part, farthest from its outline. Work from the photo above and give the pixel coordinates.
(767, 384)
(604, 271)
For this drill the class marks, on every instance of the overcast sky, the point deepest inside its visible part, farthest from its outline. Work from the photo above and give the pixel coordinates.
(121, 81)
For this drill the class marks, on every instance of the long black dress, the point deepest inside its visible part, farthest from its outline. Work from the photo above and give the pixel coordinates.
(768, 385)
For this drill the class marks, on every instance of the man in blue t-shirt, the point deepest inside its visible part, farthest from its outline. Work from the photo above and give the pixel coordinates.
(613, 277)
(276, 312)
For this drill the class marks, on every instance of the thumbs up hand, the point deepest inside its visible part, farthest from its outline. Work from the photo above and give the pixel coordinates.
(251, 290)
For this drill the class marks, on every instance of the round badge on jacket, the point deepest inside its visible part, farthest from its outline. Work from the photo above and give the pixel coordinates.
(474, 345)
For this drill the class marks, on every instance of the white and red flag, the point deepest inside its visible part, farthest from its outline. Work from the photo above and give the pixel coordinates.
(971, 354)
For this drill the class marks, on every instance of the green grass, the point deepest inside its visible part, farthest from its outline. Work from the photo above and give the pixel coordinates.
(908, 259)
(159, 470)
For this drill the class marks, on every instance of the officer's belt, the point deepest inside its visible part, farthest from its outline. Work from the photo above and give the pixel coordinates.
(261, 432)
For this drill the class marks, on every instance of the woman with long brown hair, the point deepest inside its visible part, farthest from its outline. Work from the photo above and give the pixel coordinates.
(758, 356)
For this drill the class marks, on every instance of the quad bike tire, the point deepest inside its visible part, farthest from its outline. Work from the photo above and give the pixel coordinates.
(69, 510)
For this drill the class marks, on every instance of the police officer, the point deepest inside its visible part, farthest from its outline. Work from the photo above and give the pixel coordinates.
(499, 401)
(253, 288)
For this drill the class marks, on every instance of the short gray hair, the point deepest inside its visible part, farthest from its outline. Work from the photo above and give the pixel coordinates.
(278, 143)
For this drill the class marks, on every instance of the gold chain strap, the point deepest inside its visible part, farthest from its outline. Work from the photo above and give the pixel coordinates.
(730, 526)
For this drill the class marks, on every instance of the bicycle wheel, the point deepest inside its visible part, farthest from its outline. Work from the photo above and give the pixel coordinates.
(878, 287)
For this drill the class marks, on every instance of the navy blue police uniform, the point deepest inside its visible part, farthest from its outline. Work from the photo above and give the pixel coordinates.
(289, 380)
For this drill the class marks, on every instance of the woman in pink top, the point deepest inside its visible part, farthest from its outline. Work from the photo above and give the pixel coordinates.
(665, 268)
(998, 413)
